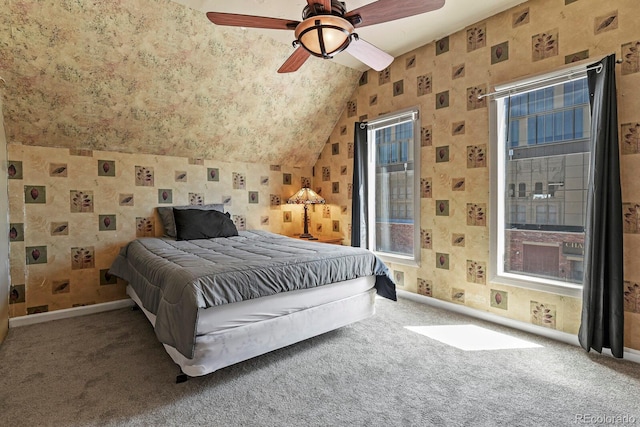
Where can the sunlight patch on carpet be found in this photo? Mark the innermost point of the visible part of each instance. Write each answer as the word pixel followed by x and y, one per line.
pixel 471 337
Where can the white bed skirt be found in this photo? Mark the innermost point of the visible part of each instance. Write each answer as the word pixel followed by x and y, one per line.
pixel 223 348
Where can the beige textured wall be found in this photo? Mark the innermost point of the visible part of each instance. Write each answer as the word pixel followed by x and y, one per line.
pixel 4 242
pixel 156 77
pixel 72 210
pixel 538 36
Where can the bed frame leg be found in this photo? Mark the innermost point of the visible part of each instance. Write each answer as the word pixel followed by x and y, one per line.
pixel 135 307
pixel 181 377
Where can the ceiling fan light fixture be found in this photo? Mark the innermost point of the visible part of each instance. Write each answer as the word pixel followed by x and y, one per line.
pixel 324 35
pixel 327 28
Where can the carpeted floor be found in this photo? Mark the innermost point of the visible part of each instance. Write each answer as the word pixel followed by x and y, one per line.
pixel 109 369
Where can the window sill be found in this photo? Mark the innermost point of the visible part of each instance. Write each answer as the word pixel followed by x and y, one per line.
pixel 568 289
pixel 395 259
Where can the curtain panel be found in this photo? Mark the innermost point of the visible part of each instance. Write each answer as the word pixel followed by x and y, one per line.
pixel 359 213
pixel 602 322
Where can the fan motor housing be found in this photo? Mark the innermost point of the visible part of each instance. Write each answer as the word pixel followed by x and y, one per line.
pixel 338 8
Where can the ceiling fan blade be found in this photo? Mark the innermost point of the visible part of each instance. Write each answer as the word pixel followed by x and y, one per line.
pixel 326 4
pixel 295 61
pixel 390 10
pixel 369 54
pixel 235 20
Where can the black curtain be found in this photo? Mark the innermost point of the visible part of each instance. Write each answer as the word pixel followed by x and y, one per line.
pixel 602 323
pixel 359 190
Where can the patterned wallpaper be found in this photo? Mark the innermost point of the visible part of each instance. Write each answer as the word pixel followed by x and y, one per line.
pixel 444 78
pixel 72 210
pixel 110 106
pixel 156 77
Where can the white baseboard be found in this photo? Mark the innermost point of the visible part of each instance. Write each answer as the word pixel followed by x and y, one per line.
pixel 31 319
pixel 629 353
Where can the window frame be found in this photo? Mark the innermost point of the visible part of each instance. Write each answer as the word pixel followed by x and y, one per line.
pixel 498 184
pixel 386 121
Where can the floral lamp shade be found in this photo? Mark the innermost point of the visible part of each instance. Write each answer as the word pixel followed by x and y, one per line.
pixel 307 196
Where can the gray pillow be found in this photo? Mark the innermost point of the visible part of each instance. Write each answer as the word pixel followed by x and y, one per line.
pixel 169 222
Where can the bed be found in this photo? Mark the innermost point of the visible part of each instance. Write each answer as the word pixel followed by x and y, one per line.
pixel 217 301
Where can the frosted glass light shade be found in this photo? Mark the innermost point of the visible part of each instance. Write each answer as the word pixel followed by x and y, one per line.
pixel 324 35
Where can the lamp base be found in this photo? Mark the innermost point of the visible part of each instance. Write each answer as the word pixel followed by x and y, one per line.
pixel 307 236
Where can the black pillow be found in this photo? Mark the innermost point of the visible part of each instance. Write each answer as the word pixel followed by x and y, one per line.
pixel 169 224
pixel 198 224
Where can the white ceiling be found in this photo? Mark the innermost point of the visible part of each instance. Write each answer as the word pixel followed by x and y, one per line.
pixel 396 37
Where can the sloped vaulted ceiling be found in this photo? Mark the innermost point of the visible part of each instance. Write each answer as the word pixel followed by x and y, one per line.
pixel 156 77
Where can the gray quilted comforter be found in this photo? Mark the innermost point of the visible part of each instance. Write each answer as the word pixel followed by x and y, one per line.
pixel 175 278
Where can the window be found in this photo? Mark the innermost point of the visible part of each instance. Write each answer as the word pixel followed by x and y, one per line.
pixel 538 189
pixel 542 143
pixel 394 186
pixel 522 190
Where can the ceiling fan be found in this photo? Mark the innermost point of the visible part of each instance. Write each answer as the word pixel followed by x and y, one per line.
pixel 327 28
